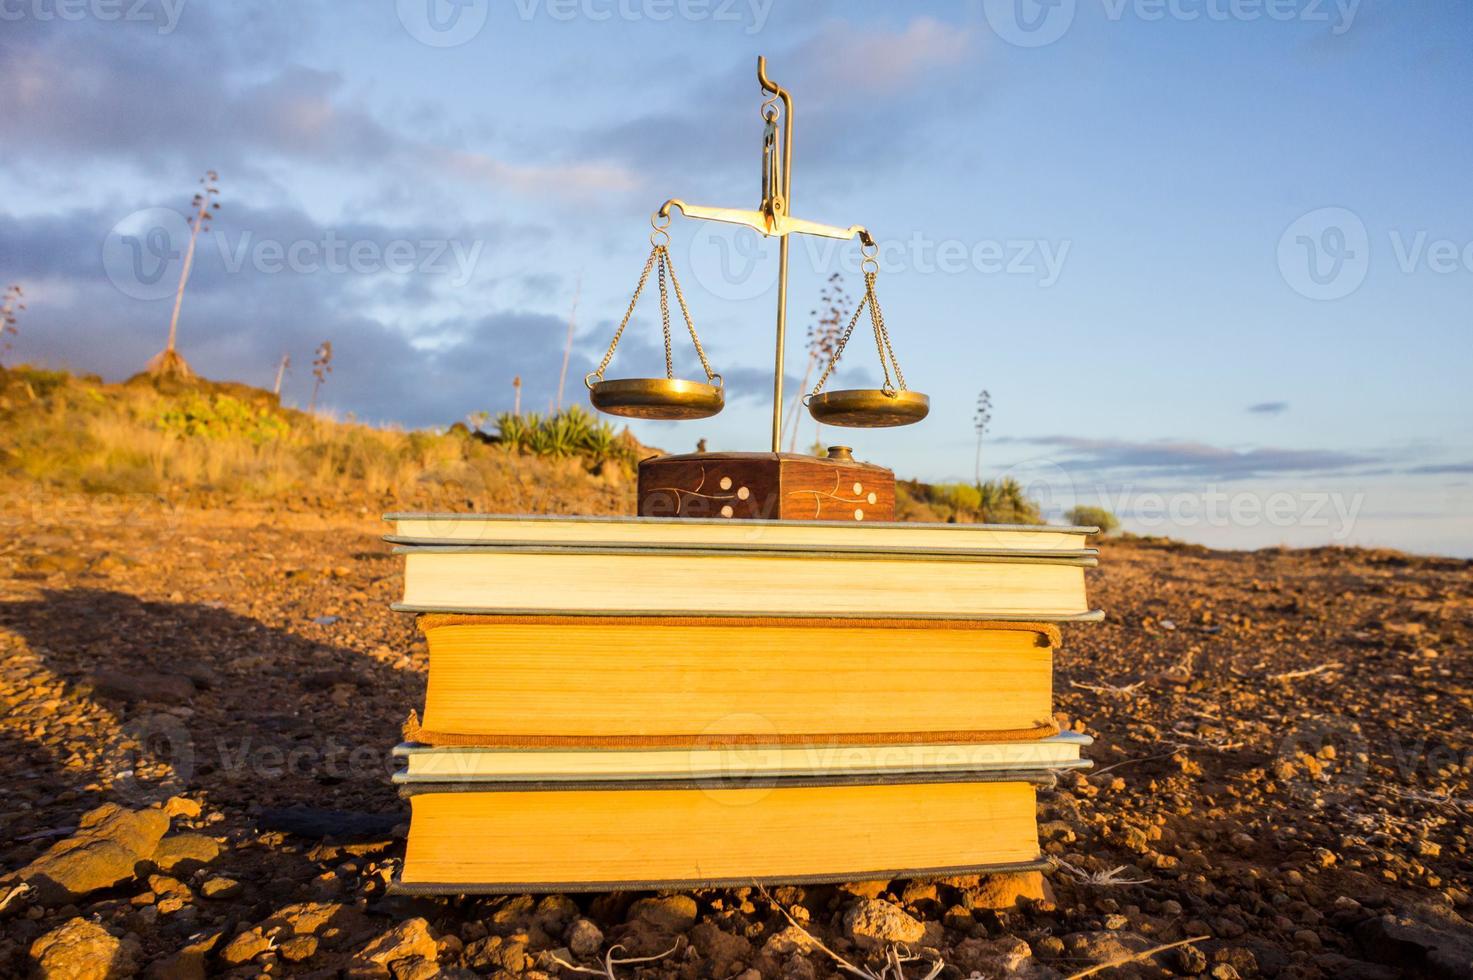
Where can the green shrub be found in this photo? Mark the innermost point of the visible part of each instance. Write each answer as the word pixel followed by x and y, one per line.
pixel 222 417
pixel 571 432
pixel 1004 502
pixel 1086 516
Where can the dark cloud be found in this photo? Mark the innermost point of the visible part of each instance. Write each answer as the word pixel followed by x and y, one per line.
pixel 1441 469
pixel 1269 408
pixel 223 91
pixel 245 307
pixel 1194 459
pixel 862 93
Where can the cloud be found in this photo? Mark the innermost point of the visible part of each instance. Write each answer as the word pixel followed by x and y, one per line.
pixel 1269 408
pixel 403 350
pixel 1441 469
pixel 1198 460
pixel 165 102
pixel 860 92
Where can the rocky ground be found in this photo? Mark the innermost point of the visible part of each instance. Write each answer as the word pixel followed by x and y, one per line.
pixel 195 701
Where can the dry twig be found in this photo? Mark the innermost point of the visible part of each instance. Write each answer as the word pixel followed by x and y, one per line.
pixel 1109 878
pixel 895 956
pixel 1309 672
pixel 1111 689
pixel 611 962
pixel 14 893
pixel 1138 957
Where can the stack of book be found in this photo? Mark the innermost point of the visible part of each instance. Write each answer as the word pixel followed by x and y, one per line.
pixel 638 702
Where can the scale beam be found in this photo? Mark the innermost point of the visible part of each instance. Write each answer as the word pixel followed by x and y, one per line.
pixel 765 224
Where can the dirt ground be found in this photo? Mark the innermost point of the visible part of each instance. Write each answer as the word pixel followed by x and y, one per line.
pixel 1282 754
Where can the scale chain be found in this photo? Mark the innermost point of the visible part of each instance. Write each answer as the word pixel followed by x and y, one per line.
pixel 665 311
pixel 643 277
pixel 689 325
pixel 882 340
pixel 659 260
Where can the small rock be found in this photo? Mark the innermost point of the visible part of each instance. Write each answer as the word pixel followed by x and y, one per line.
pixel 188 963
pixel 787 941
pixel 918 891
pixel 1240 958
pixel 83 950
pixel 1190 960
pixel 1426 940
pixel 244 948
pixel 722 951
pixel 865 889
pixel 298 948
pixel 109 843
pixel 410 938
pixel 1005 957
pixel 873 923
pixel 1004 891
pixel 182 806
pixel 584 939
pixel 672 913
pixel 186 852
pixel 135 686
pixel 220 887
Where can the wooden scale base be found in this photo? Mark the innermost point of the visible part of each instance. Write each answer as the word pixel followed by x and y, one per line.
pixel 766 486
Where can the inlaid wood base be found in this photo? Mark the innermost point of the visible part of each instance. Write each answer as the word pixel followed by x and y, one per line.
pixel 766 486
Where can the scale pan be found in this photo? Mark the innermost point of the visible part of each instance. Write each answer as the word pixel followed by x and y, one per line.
pixel 869 408
pixel 656 398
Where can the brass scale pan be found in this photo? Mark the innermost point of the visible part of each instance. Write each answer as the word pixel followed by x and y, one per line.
pixel 675 399
pixel 657 398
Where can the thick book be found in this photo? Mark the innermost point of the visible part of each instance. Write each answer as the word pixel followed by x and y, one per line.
pixel 512 837
pixel 830 536
pixel 727 764
pixel 650 682
pixel 612 580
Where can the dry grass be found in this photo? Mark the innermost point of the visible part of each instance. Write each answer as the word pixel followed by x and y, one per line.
pixel 190 438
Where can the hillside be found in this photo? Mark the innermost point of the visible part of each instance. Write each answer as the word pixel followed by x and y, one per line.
pixel 210 443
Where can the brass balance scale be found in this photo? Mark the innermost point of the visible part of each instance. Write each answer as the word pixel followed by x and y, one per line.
pixel 770 480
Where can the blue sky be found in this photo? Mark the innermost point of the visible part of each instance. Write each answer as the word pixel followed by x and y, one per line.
pixel 1213 259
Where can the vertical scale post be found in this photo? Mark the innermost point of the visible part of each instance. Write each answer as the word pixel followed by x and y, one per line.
pixel 779 203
